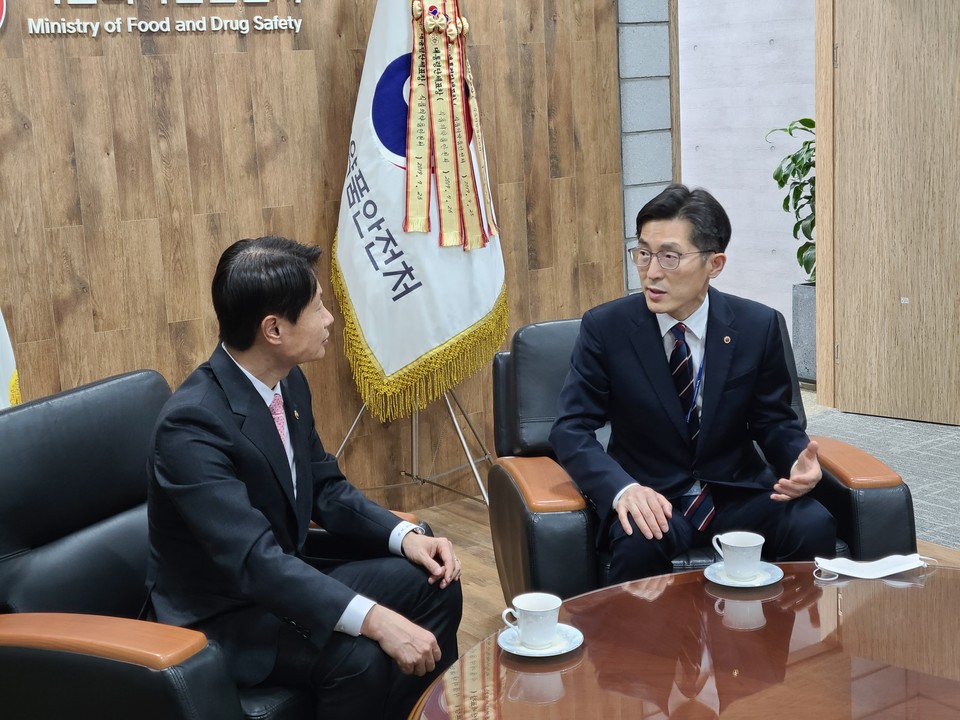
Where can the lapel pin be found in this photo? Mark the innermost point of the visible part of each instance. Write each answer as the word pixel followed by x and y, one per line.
pixel 726 339
pixel 296 414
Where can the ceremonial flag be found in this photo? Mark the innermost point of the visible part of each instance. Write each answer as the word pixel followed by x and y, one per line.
pixel 417 264
pixel 9 383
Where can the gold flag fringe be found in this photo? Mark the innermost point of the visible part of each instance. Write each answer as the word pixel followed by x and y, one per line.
pixel 428 377
pixel 15 397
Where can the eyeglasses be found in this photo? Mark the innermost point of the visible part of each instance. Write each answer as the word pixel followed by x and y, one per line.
pixel 668 259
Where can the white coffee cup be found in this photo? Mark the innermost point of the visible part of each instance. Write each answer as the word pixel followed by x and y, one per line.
pixel 740 552
pixel 741 614
pixel 536 615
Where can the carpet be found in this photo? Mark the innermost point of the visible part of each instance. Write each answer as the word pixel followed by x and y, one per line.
pixel 926 455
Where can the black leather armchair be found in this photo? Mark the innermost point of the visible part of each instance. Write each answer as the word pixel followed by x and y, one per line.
pixel 73 563
pixel 544 530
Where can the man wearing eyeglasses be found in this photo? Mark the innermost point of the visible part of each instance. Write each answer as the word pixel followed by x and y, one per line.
pixel 689 378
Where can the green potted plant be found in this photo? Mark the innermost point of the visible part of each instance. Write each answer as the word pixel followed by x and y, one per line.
pixel 797 172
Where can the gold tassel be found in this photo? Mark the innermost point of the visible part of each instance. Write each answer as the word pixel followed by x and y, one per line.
pixel 431 375
pixel 418 176
pixel 473 235
pixel 441 115
pixel 15 397
pixel 442 104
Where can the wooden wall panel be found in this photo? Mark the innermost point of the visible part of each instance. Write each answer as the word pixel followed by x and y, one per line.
pixel 894 261
pixel 826 331
pixel 99 190
pixel 605 91
pixel 505 105
pixel 129 162
pixel 25 296
pixel 73 307
pixel 127 95
pixel 536 155
pixel 45 65
pixel 558 50
pixel 171 168
pixel 204 146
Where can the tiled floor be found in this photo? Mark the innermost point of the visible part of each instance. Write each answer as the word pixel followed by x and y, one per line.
pixel 926 455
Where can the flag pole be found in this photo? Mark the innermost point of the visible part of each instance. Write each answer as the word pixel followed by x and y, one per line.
pixel 414 473
pixel 472 461
pixel 353 427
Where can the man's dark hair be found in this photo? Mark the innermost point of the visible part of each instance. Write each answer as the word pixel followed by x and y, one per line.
pixel 255 278
pixel 711 226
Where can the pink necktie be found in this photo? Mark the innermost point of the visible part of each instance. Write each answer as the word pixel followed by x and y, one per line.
pixel 276 409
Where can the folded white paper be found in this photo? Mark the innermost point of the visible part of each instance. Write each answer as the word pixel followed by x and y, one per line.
pixel 890 565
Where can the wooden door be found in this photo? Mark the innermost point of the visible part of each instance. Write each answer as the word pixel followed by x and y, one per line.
pixel 896 208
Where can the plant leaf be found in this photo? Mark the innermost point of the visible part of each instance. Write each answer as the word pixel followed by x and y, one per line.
pixel 797 172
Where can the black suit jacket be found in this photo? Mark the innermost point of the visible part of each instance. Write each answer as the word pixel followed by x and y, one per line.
pixel 619 373
pixel 225 530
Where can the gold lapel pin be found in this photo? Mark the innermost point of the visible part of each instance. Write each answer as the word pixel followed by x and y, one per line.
pixel 726 339
pixel 296 414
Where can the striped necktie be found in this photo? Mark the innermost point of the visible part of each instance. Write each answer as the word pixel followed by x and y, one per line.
pixel 681 367
pixel 700 511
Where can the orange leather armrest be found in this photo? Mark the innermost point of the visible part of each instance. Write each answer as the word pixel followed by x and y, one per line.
pixel 148 644
pixel 854 467
pixel 409 517
pixel 545 485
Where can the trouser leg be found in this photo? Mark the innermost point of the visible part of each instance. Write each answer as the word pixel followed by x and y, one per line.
pixel 634 557
pixel 352 677
pixel 800 529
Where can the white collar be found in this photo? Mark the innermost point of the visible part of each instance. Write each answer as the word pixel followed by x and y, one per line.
pixel 696 323
pixel 263 390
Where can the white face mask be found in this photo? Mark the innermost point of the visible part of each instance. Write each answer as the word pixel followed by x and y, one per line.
pixel 890 565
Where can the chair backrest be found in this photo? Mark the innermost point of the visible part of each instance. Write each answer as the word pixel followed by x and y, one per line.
pixel 526 384
pixel 73 487
pixel 796 400
pixel 528 378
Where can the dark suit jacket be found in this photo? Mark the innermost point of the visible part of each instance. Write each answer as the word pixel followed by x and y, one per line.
pixel 619 373
pixel 225 530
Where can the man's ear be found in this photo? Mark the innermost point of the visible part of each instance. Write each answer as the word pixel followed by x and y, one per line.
pixel 270 329
pixel 717 261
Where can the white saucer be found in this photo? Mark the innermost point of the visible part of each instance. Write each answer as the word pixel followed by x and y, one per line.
pixel 767 575
pixel 568 638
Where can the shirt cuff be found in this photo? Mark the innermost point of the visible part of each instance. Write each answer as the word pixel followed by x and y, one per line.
pixel 616 498
pixel 353 615
pixel 399 533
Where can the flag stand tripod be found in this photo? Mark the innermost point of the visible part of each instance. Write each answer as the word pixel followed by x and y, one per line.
pixel 414 474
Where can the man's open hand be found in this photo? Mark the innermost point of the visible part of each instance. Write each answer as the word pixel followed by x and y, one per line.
pixel 804 476
pixel 649 509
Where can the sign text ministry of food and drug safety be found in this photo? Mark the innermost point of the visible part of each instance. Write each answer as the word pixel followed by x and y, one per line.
pixel 46 26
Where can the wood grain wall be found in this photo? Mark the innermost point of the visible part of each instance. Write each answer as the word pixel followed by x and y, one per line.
pixel 887 297
pixel 129 162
